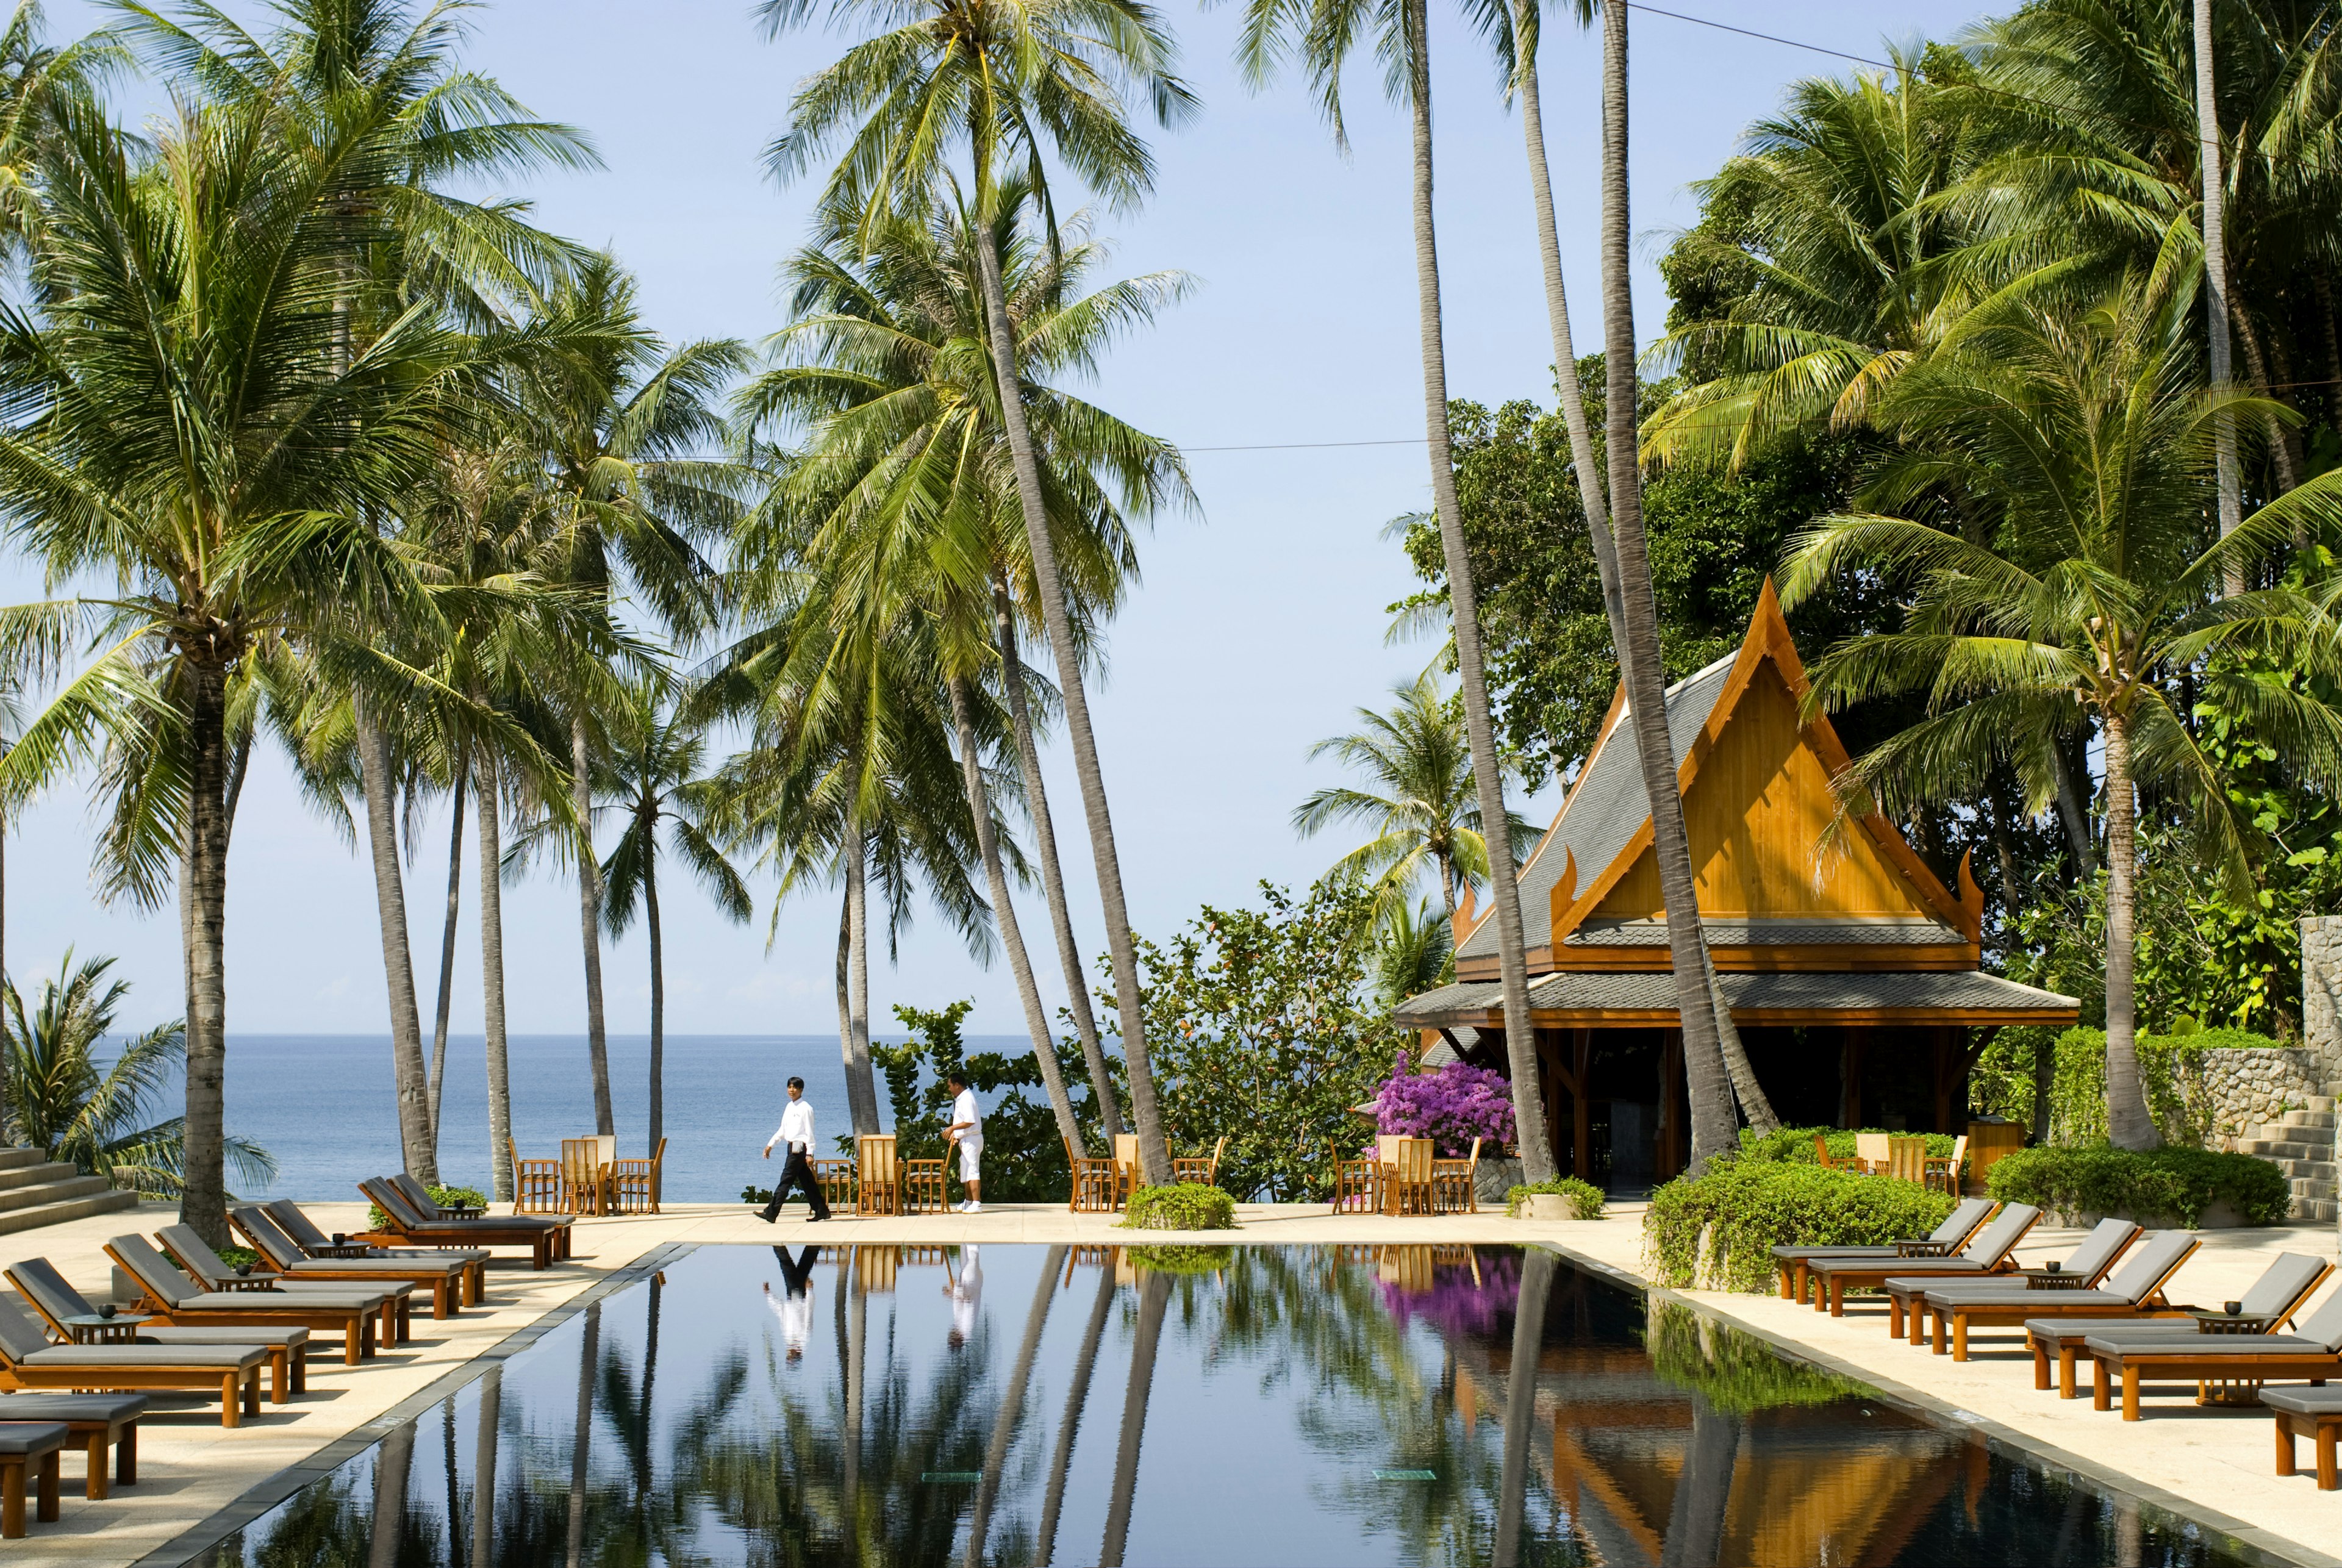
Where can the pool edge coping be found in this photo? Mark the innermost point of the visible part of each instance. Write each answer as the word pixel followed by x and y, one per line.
pixel 183 1550
pixel 2272 1549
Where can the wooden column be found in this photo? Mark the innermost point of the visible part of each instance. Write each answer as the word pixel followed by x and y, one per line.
pixel 1669 1156
pixel 1581 1109
pixel 1853 1042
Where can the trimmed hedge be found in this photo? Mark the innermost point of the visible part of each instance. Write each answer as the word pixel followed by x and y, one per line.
pixel 1180 1260
pixel 2181 1183
pixel 1746 1207
pixel 1735 1371
pixel 1584 1198
pixel 1187 1206
pixel 1795 1144
pixel 2169 1069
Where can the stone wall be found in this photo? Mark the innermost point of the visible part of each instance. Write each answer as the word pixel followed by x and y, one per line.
pixel 2230 1094
pixel 2321 1000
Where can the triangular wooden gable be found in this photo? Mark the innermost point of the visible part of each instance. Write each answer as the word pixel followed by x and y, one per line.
pixel 1759 808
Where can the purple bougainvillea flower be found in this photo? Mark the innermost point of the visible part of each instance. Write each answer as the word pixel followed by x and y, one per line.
pixel 1451 1106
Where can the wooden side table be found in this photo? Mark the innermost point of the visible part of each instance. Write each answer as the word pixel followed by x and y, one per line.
pixel 95 1328
pixel 2055 1280
pixel 2230 1391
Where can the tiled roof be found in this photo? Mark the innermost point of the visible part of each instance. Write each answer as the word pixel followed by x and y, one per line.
pixel 1770 932
pixel 1655 990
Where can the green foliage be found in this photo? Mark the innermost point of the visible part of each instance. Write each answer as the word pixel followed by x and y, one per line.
pixel 1754 1205
pixel 1584 1198
pixel 1023 1154
pixel 1183 1260
pixel 1796 1144
pixel 2006 1073
pixel 446 1197
pixel 1734 1370
pixel 1183 1206
pixel 1261 1033
pixel 2180 1182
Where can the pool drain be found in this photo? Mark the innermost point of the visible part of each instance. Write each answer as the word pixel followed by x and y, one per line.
pixel 1406 1475
pixel 951 1477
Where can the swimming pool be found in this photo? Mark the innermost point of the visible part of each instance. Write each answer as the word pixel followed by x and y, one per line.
pixel 1029 1404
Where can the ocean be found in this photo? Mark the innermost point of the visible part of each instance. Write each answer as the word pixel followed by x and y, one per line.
pixel 323 1104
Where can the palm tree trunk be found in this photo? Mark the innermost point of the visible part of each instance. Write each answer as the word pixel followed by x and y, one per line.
pixel 2215 281
pixel 861 1083
pixel 2280 439
pixel 658 1003
pixel 1053 878
pixel 846 1008
pixel 2129 1124
pixel 448 943
pixel 397 961
pixel 581 1441
pixel 1078 1395
pixel 1520 1402
pixel 1003 915
pixel 484 1468
pixel 1012 1405
pixel 1703 1072
pixel 1756 1108
pixel 589 911
pixel 2073 814
pixel 1487 771
pixel 857 1342
pixel 1704 1491
pixel 4 1101
pixel 203 1202
pixel 492 982
pixel 1154 1296
pixel 386 1531
pixel 1153 1153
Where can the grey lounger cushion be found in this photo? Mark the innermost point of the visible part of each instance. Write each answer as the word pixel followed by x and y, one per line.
pixel 114 1409
pixel 223 1356
pixel 2320 1331
pixel 2214 1344
pixel 2304 1401
pixel 2079 1328
pixel 1981 1294
pixel 32 1438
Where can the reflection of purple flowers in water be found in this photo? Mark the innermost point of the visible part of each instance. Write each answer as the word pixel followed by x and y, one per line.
pixel 1451 1106
pixel 1456 1303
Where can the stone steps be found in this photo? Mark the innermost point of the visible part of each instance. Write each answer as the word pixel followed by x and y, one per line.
pixel 36 1190
pixel 2301 1144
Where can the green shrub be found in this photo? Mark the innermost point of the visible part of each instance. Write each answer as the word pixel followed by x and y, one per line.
pixel 2182 1183
pixel 1735 1371
pixel 1795 1144
pixel 2003 1082
pixel 1749 1206
pixel 1584 1198
pixel 446 1197
pixel 1187 1206
pixel 1178 1259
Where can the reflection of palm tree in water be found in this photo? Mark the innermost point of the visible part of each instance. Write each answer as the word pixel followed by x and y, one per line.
pixel 484 1478
pixel 581 1441
pixel 1078 1395
pixel 391 1464
pixel 1520 1402
pixel 1154 1297
pixel 1012 1404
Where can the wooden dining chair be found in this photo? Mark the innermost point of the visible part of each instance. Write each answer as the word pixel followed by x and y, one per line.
pixel 1204 1171
pixel 1453 1183
pixel 1096 1181
pixel 634 1184
pixel 1409 1176
pixel 536 1183
pixel 878 1176
pixel 926 1187
pixel 1126 1155
pixel 1907 1157
pixel 581 1179
pixel 1944 1174
pixel 1357 1185
pixel 1871 1151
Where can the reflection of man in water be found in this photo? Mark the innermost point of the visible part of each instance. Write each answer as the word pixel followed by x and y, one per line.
pixel 966 1292
pixel 795 1306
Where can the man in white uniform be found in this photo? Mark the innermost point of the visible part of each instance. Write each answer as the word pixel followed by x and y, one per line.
pixel 796 1131
pixel 795 1306
pixel 966 1130
pixel 966 1294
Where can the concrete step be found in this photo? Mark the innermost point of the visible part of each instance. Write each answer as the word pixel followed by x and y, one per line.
pixel 2288 1149
pixel 105 1202
pixel 10 1157
pixel 2324 1209
pixel 2311 1118
pixel 68 1186
pixel 2325 1103
pixel 2311 1170
pixel 35 1175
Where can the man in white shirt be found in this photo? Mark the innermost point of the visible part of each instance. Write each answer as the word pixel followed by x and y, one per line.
pixel 795 1306
pixel 966 1130
pixel 797 1132
pixel 966 1294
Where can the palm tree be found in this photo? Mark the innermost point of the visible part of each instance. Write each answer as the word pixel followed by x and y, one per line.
pixel 657 754
pixel 624 422
pixel 905 487
pixel 1012 86
pixel 1322 35
pixel 1415 951
pixel 98 1117
pixel 2087 436
pixel 1706 1073
pixel 1418 799
pixel 187 428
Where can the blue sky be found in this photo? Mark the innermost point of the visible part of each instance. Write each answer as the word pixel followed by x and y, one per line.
pixel 1259 624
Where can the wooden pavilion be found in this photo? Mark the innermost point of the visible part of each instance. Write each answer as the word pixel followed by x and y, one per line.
pixel 1852 973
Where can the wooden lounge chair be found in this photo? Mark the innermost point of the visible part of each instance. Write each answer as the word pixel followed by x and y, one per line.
pixel 38 1282
pixel 2312 1355
pixel 98 1423
pixel 209 1270
pixel 1792 1263
pixel 2089 1261
pixel 34 1447
pixel 315 1242
pixel 28 1361
pixel 1204 1172
pixel 536 1183
pixel 1453 1183
pixel 178 1302
pixel 444 1278
pixel 1990 1254
pixel 633 1185
pixel 404 1224
pixel 1958 1310
pixel 1096 1181
pixel 2314 1414
pixel 2282 1290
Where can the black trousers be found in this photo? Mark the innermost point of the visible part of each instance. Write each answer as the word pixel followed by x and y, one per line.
pixel 797 1173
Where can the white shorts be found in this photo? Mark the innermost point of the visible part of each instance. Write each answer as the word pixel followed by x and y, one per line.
pixel 971 1146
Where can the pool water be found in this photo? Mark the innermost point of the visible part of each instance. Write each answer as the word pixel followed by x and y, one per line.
pixel 1028 1404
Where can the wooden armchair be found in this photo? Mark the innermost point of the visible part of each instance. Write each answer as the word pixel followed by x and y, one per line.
pixel 926 1187
pixel 1452 1184
pixel 582 1172
pixel 1944 1174
pixel 1408 1182
pixel 1096 1182
pixel 1870 1151
pixel 1357 1182
pixel 878 1187
pixel 840 1184
pixel 1204 1172
pixel 1907 1157
pixel 536 1183
pixel 633 1185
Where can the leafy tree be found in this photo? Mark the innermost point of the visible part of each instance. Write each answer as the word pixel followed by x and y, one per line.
pixel 1024 1155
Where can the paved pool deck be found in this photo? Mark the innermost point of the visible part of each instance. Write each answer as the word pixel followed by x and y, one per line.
pixel 197 1478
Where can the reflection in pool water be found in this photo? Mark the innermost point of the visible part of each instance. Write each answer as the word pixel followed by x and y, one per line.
pixel 1024 1405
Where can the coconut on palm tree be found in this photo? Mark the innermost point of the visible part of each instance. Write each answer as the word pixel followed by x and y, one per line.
pixel 2085 437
